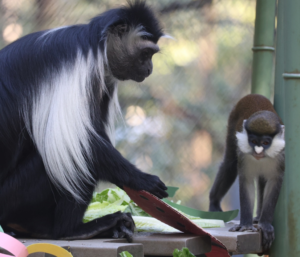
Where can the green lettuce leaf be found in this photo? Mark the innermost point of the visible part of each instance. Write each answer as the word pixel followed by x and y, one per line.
pixel 125 254
pixel 1 230
pixel 185 252
pixel 111 195
pixel 96 209
pixel 112 200
pixel 149 224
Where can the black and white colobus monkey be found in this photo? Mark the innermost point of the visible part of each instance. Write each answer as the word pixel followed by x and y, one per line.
pixel 254 151
pixel 58 96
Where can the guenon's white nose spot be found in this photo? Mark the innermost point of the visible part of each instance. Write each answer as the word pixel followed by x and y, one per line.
pixel 258 149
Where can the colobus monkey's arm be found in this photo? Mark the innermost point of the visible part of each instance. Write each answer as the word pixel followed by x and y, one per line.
pixel 111 166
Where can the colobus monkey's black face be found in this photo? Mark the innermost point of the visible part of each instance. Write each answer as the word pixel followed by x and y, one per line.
pixel 129 55
pixel 142 64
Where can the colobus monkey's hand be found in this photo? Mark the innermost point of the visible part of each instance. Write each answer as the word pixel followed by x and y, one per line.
pixel 152 184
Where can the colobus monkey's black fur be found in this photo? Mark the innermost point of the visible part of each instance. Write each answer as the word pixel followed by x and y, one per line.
pixel 58 96
pixel 254 151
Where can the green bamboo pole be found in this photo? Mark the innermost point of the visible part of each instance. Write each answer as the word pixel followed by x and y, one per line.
pixel 279 246
pixel 263 49
pixel 292 122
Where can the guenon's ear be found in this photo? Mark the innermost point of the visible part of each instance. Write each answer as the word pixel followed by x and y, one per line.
pixel 282 130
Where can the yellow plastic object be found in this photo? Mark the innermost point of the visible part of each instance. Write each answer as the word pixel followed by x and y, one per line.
pixel 48 248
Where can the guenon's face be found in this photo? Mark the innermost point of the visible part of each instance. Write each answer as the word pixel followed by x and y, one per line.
pixel 259 144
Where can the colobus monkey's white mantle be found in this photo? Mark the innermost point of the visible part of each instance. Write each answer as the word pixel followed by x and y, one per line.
pixel 255 151
pixel 58 96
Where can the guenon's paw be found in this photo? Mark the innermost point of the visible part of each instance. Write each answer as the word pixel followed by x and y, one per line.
pixel 267 234
pixel 242 228
pixel 215 207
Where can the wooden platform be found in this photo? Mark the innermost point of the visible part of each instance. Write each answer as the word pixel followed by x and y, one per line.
pixel 149 244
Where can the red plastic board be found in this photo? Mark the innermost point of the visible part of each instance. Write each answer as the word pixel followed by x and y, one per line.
pixel 163 212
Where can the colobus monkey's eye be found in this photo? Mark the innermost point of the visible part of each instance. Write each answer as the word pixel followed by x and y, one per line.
pixel 146 54
pixel 266 143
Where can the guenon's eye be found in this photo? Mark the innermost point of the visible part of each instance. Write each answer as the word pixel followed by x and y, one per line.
pixel 253 141
pixel 266 143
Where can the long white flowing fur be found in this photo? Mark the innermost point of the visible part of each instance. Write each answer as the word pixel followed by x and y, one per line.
pixel 114 110
pixel 61 122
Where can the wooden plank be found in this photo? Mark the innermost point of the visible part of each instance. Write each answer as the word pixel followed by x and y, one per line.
pixel 164 244
pixel 155 244
pixel 237 242
pixel 143 243
pixel 93 247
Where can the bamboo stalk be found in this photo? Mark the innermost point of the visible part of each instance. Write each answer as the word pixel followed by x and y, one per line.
pixel 292 122
pixel 263 49
pixel 279 247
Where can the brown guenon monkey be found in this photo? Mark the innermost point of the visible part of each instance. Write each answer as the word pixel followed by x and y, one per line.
pixel 254 151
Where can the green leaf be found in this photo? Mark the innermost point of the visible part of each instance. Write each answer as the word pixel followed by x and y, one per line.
pixel 225 216
pixel 100 197
pixel 149 224
pixel 96 210
pixel 111 195
pixel 1 230
pixel 184 252
pixel 171 191
pixel 176 253
pixel 125 254
pixel 136 210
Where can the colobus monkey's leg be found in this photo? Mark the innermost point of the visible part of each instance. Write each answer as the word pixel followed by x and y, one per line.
pixel 224 179
pixel 271 195
pixel 111 166
pixel 116 225
pixel 49 213
pixel 69 223
pixel 26 198
pixel 261 182
pixel 246 202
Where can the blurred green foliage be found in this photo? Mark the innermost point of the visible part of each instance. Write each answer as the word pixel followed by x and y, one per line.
pixel 175 121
